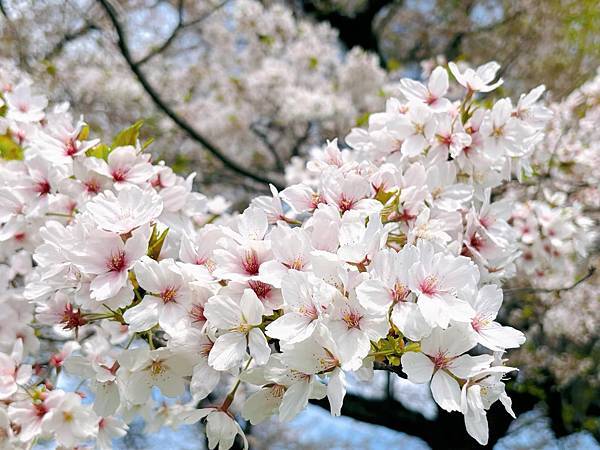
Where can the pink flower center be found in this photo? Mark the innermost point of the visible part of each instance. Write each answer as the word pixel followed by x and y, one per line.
pixel 297 264
pixel 345 204
pixel 477 242
pixel 197 314
pixel 476 323
pixel 42 187
pixel 262 290
pixel 116 263
pixel 445 139
pixel 40 409
pixel 400 292
pixel 428 285
pixel 70 148
pixel 72 319
pixel 250 263
pixel 169 294
pixel 440 361
pixel 352 319
pixel 92 186
pixel 309 311
pixel 431 99
pixel 119 174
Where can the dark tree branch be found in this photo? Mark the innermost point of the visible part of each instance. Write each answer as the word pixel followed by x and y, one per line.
pixel 280 167
pixel 532 290
pixel 301 141
pixel 181 25
pixel 165 108
pixel 169 40
pixel 70 37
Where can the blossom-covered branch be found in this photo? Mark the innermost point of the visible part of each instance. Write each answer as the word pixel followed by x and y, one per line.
pixel 389 254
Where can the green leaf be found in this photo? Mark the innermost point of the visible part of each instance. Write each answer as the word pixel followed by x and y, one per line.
pixel 4 107
pixel 363 120
pixel 99 151
pixel 128 136
pixel 266 39
pixel 84 133
pixel 313 63
pixel 393 64
pixel 9 149
pixel 156 242
pixel 393 360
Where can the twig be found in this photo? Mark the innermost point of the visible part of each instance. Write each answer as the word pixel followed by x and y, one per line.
pixel 68 38
pixel 531 290
pixel 388 368
pixel 162 105
pixel 272 149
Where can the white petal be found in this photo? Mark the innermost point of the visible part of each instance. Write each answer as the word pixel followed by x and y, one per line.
pixel 258 346
pixel 291 327
pixel 373 295
pixel 260 406
pixel 252 308
pixel 142 317
pixel 497 337
pixel 336 391
pixel 466 365
pixel 294 400
pixel 477 427
pixel 204 380
pixel 228 351
pixel 417 366
pixel 409 320
pixel 445 391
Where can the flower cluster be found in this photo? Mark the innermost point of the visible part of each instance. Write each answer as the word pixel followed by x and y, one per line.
pixel 388 256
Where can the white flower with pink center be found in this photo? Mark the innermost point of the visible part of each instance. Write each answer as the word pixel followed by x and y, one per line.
pixel 167 298
pixel 488 332
pixel 108 259
pixel 439 280
pixel 305 300
pixel 432 94
pixel 440 360
pixel 131 208
pixel 238 323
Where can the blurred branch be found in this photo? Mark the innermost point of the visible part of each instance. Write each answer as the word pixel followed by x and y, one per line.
pixel 169 40
pixel 165 108
pixel 301 140
pixel 68 38
pixel 181 25
pixel 270 146
pixel 532 290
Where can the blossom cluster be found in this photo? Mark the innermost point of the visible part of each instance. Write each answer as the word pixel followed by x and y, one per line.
pixel 389 254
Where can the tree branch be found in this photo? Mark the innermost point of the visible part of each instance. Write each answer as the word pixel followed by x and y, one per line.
pixel 68 38
pixel 151 54
pixel 532 290
pixel 165 108
pixel 272 149
pixel 181 25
